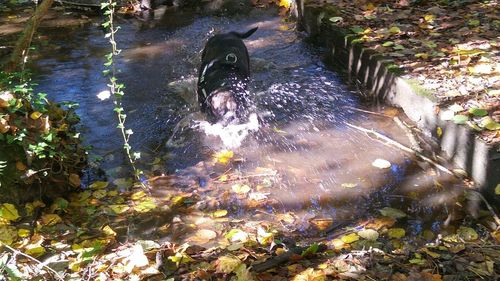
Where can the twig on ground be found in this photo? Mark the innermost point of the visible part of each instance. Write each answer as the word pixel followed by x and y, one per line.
pixel 402 147
pixel 413 140
pixel 17 252
pixel 367 111
pixel 277 260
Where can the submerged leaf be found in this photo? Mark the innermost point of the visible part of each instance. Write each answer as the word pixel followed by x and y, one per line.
pixel 396 232
pixel 467 233
pixel 368 234
pixel 392 213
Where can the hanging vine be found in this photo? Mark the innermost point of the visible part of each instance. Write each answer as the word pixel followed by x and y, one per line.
pixel 115 88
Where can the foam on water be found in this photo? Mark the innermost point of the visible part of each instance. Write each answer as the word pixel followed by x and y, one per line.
pixel 231 135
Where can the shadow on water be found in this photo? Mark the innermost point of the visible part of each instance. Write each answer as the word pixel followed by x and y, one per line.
pixel 321 168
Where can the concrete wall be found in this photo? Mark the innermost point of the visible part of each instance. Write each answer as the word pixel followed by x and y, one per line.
pixel 458 143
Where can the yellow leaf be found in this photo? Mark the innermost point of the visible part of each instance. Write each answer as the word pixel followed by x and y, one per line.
pixel 422 56
pixel 99 184
pixel 99 194
pixel 285 3
pixel 220 213
pixel 240 189
pixel 497 189
pixel 439 132
pixel 223 178
pixel 35 115
pixel 264 237
pixel 8 234
pixel 429 18
pixel 108 231
pixel 112 193
pixel 394 30
pixel 350 238
pixel 145 206
pixel 23 232
pixel 224 156
pixel 8 212
pixel 74 180
pixel 50 219
pixel 396 233
pixel 227 264
pixel 35 250
pixel 138 195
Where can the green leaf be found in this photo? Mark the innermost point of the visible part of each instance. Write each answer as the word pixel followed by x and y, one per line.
pixel 394 30
pixel 388 44
pixel 478 112
pixel 467 233
pixel 460 119
pixel 357 29
pixel 313 249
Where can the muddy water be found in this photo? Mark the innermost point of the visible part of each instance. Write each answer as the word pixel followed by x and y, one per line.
pixel 321 167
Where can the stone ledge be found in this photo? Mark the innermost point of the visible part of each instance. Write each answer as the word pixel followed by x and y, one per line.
pixel 458 143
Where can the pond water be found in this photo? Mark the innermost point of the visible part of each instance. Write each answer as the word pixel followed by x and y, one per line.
pixel 305 156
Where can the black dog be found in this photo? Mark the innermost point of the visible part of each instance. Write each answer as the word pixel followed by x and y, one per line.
pixel 223 77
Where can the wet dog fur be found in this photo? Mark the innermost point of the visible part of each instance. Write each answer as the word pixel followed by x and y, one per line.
pixel 223 77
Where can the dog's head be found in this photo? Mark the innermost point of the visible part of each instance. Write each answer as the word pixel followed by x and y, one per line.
pixel 223 106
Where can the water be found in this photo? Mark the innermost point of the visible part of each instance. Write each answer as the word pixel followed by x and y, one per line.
pixel 304 155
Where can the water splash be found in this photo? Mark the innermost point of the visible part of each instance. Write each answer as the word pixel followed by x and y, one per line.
pixel 231 135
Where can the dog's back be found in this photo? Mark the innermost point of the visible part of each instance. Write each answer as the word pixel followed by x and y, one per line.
pixel 223 74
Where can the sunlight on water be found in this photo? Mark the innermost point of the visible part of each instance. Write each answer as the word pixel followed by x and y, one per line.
pixel 231 135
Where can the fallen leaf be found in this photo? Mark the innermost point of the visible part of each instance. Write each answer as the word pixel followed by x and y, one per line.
pixel 236 235
pixel 99 185
pixel 392 213
pixel 368 234
pixel 460 119
pixel 145 206
pixel 74 180
pixel 9 212
pixel 8 234
pixel 478 112
pixel 219 213
pixel 227 264
pixel 396 233
pixel 224 156
pixel 118 209
pixel 350 238
pixel 240 189
pixel 35 115
pixel 467 233
pixel 50 219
